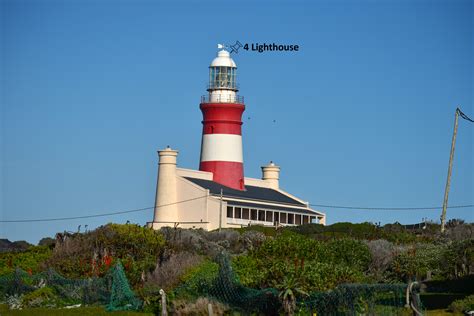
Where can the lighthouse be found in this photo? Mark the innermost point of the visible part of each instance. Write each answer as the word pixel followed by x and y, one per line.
pixel 218 195
pixel 222 108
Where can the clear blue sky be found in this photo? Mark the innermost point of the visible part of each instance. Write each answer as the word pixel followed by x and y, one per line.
pixel 364 111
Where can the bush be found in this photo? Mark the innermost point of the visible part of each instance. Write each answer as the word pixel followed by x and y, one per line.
pixel 449 261
pixel 460 232
pixel 93 253
pixel 290 246
pixel 42 297
pixel 20 245
pixel 199 307
pixel 458 259
pixel 167 273
pixel 30 260
pixel 47 241
pixel 417 262
pixel 211 243
pixel 196 279
pixel 461 285
pixel 252 240
pixel 397 234
pixel 382 253
pixel 464 305
pixel 265 230
pixel 317 265
pixel 349 252
pixel 150 294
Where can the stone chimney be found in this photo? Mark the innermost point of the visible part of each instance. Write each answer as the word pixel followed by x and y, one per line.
pixel 166 191
pixel 271 175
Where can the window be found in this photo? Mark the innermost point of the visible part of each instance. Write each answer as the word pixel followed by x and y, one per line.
pixel 283 218
pixel 291 218
pixel 230 211
pixel 245 214
pixel 276 217
pixel 222 77
pixel 313 220
pixel 238 212
pixel 298 219
pixel 269 216
pixel 261 215
pixel 253 214
pixel 305 219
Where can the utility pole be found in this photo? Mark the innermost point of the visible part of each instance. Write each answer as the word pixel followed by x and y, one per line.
pixel 220 213
pixel 450 168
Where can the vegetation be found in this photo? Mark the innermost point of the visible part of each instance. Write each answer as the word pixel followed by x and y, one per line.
pixel 316 265
pixel 93 253
pixel 81 311
pixel 31 260
pixel 464 305
pixel 294 261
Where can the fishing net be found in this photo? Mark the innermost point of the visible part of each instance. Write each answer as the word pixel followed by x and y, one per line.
pixel 121 297
pixel 358 299
pixel 345 299
pixel 227 289
pixel 112 290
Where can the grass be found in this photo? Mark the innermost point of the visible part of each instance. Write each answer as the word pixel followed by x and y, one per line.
pixel 100 311
pixel 60 312
pixel 441 312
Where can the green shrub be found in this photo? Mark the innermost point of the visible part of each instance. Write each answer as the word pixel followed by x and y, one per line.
pixel 291 246
pixel 443 261
pixel 197 279
pixel 42 297
pixel 364 231
pixel 47 241
pixel 30 260
pixel 397 234
pixel 349 252
pixel 458 259
pixel 249 270
pixel 267 231
pixel 317 265
pixel 151 298
pixel 416 261
pixel 464 305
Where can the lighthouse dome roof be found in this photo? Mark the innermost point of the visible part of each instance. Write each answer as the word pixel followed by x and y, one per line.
pixel 223 59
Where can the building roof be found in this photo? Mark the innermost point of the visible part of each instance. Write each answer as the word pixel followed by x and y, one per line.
pixel 251 193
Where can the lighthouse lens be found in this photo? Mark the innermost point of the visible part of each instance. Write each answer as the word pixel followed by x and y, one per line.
pixel 222 77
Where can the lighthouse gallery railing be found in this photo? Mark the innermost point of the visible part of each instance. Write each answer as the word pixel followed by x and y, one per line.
pixel 222 99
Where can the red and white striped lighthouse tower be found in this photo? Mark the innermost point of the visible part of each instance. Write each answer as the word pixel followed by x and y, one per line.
pixel 222 108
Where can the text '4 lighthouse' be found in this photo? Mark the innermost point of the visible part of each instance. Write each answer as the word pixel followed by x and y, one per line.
pixel 222 108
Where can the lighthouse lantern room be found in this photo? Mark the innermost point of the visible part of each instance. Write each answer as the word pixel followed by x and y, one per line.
pixel 222 84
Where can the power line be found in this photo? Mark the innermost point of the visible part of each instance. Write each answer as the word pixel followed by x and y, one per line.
pixel 188 200
pixel 391 208
pixel 96 215
pixel 464 116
